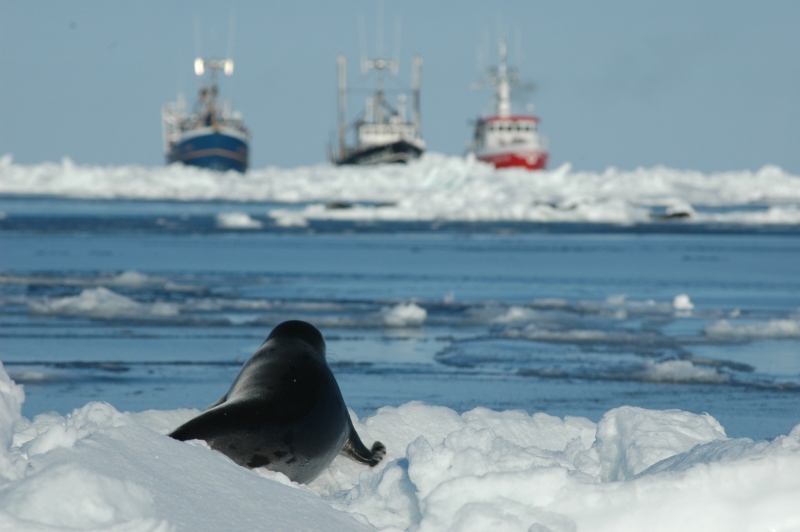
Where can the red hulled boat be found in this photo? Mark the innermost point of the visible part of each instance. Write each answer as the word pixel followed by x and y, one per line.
pixel 507 140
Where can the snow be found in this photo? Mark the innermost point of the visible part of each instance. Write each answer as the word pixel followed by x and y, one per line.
pixel 636 469
pixel 11 399
pixel 437 187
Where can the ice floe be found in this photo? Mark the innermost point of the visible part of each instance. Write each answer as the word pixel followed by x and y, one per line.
pixel 237 220
pixel 101 303
pixel 404 315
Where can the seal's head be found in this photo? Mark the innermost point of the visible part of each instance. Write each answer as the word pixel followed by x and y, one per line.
pixel 296 329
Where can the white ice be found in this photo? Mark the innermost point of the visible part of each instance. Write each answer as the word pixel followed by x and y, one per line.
pixel 439 187
pixel 776 328
pixel 680 371
pixel 237 220
pixel 101 303
pixel 635 469
pixel 404 315
pixel 682 302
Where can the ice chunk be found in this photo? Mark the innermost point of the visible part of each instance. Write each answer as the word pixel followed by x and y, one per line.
pixel 11 399
pixel 237 220
pixel 404 315
pixel 631 439
pixel 101 303
pixel 682 302
pixel 778 328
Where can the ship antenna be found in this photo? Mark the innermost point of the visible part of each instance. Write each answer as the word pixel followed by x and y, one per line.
pixel 415 89
pixel 379 29
pixel 503 89
pixel 398 28
pixel 342 67
pixel 198 41
pixel 362 42
pixel 379 65
pixel 231 34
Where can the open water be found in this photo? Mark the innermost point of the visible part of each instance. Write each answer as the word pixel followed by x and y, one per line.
pixel 155 305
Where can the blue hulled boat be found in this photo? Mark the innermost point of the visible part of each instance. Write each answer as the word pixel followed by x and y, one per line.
pixel 209 136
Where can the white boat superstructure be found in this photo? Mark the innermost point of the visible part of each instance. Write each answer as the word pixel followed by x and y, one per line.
pixel 383 133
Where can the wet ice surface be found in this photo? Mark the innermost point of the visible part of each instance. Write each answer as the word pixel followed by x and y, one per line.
pixel 156 305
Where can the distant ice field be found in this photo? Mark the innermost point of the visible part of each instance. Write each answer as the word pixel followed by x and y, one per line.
pixel 156 304
pixel 436 188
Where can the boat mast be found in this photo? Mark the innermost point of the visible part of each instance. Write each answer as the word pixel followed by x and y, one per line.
pixel 415 94
pixel 503 84
pixel 342 64
pixel 378 65
pixel 212 65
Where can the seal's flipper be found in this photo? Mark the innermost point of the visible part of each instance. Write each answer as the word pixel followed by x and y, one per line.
pixel 220 421
pixel 354 449
pixel 206 426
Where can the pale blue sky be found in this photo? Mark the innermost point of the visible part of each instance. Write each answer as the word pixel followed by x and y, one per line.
pixel 710 85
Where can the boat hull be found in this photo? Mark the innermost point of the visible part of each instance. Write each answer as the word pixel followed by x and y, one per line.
pixel 214 150
pixel 400 151
pixel 532 160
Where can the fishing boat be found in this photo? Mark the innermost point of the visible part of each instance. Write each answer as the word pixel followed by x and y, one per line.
pixel 211 136
pixel 382 132
pixel 504 139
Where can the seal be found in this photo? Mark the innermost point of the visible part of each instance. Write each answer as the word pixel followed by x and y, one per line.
pixel 284 411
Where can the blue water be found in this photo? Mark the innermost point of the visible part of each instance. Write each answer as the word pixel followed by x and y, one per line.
pixel 564 319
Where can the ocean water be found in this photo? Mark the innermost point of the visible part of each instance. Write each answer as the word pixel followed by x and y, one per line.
pixel 156 304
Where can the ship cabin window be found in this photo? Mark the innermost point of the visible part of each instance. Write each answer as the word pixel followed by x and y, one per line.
pixel 512 127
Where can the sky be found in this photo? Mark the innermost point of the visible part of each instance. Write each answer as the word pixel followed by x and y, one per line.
pixel 708 85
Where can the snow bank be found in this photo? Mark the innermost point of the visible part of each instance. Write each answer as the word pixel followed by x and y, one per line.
pixel 11 399
pixel 636 469
pixel 98 469
pixel 438 187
